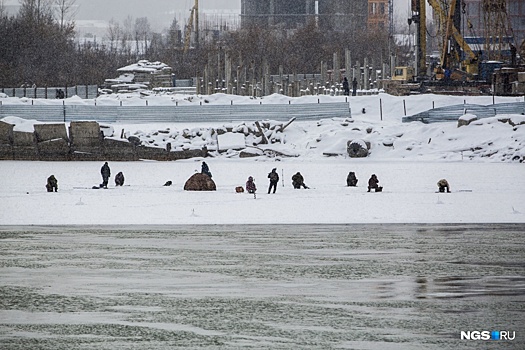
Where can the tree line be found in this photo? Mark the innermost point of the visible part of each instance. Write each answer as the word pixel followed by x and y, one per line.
pixel 39 47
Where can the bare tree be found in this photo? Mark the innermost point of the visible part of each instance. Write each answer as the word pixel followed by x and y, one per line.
pixel 142 34
pixel 66 11
pixel 3 11
pixel 114 33
pixel 35 10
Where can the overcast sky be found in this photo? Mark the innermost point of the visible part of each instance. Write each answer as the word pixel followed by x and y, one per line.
pixel 105 9
pixel 161 12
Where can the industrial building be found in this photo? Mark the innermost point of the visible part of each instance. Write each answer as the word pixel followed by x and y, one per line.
pixel 336 15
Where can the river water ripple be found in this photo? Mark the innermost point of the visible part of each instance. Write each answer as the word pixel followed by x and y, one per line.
pixel 366 287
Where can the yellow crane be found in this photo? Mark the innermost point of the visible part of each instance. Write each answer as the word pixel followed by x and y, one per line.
pixel 451 38
pixel 193 20
pixel 449 59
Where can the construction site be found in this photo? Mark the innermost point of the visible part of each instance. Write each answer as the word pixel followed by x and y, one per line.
pixel 457 46
pixel 479 48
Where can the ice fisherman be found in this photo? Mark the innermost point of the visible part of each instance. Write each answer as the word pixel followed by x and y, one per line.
pixel 373 183
pixel 443 186
pixel 119 179
pixel 205 169
pixel 351 179
pixel 298 181
pixel 250 185
pixel 274 179
pixel 52 184
pixel 106 173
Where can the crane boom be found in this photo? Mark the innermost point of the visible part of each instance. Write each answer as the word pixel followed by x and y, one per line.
pixel 194 17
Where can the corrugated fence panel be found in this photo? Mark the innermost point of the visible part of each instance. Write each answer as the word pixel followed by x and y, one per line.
pixel 97 113
pixel 37 112
pixel 452 113
pixel 204 113
pixel 83 91
pixel 510 108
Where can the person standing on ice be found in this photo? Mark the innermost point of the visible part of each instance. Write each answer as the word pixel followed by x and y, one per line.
pixel 346 86
pixel 354 87
pixel 443 185
pixel 274 179
pixel 106 173
pixel 205 169
pixel 250 185
pixel 298 181
pixel 373 183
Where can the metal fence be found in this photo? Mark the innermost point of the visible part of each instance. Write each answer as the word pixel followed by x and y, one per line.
pixel 452 113
pixel 83 91
pixel 196 113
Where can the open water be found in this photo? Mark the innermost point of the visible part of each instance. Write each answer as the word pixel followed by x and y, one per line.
pixel 364 287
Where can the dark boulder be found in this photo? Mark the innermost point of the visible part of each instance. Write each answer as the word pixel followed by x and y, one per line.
pixel 200 182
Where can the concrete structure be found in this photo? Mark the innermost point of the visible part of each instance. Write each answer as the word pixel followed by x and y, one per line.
pixel 141 75
pixel 336 15
pixel 49 142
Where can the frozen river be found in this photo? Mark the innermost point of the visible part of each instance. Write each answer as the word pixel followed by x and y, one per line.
pixel 366 287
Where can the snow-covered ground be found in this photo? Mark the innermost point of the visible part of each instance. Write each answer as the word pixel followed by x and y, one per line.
pixel 481 161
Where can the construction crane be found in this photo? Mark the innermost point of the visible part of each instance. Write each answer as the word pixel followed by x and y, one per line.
pixel 192 21
pixel 452 43
pixel 498 32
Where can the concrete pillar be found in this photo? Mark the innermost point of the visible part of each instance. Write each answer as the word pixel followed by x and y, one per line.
pixel 282 88
pixel 366 75
pixel 337 69
pixel 358 76
pixel 324 77
pixel 348 65
pixel 392 65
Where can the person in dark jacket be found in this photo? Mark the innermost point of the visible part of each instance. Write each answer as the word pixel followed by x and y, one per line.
pixel 119 179
pixel 373 183
pixel 443 186
pixel 205 169
pixel 298 181
pixel 346 87
pixel 52 184
pixel 354 87
pixel 250 185
pixel 106 173
pixel 351 179
pixel 274 179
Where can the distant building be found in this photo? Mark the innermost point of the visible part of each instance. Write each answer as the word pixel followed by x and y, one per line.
pixel 141 75
pixel 335 15
pixel 378 14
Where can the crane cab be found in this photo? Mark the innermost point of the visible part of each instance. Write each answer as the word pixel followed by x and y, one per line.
pixel 403 74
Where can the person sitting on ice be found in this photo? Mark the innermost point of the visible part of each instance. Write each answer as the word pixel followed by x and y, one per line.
pixel 250 185
pixel 298 181
pixel 52 184
pixel 373 183
pixel 119 179
pixel 443 185
pixel 351 179
pixel 205 169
